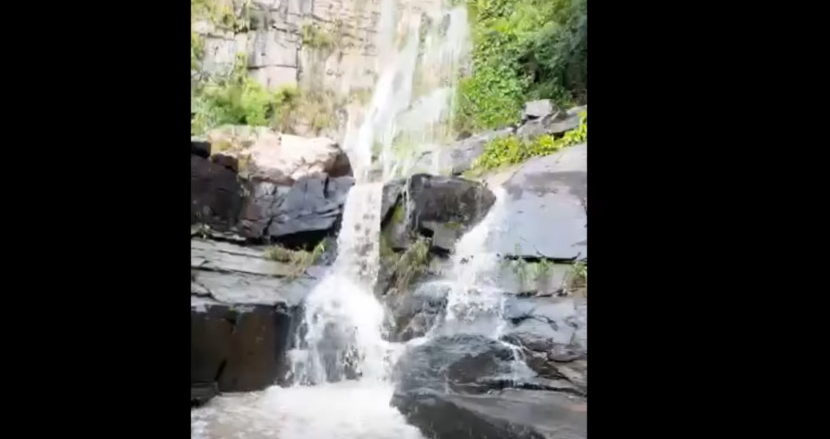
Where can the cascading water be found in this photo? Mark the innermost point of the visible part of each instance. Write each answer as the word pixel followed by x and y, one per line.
pixel 475 304
pixel 341 362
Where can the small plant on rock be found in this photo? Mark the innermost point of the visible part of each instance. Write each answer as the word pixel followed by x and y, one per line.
pixel 413 263
pixel 298 260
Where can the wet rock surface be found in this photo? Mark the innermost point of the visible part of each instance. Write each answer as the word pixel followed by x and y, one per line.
pixel 243 310
pixel 448 206
pixel 311 205
pixel 553 334
pixel 414 313
pixel 470 387
pixel 547 202
pixel 238 347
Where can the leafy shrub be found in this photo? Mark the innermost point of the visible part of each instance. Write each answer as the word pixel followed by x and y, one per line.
pixel 510 150
pixel 523 50
pixel 315 37
pixel 298 260
pixel 238 99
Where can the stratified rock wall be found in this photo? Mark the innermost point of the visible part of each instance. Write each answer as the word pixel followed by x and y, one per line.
pixel 331 49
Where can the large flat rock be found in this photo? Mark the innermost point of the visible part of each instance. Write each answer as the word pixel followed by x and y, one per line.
pixel 546 210
pixel 234 274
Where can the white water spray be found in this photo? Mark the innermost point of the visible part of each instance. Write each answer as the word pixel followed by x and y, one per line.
pixel 475 304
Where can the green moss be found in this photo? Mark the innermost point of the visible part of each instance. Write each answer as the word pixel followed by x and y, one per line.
pixel 386 250
pixel 413 263
pixel 398 213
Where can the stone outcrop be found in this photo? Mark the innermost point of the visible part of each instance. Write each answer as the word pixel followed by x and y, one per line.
pixel 243 310
pixel 281 158
pixel 422 217
pixel 553 334
pixel 538 118
pixel 311 205
pixel 292 190
pixel 469 386
pixel 441 208
pixel 547 207
pixel 325 48
pixel 418 310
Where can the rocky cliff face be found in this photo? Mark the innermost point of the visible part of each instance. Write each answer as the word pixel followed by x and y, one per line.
pixel 327 48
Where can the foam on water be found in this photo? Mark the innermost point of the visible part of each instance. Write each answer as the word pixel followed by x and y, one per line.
pixel 344 410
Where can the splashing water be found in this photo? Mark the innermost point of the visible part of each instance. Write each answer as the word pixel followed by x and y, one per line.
pixel 341 362
pixel 475 304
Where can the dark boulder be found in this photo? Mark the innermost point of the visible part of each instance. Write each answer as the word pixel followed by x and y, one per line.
pixel 227 161
pixel 216 195
pixel 459 388
pixel 240 348
pixel 199 147
pixel 311 205
pixel 430 205
pixel 545 209
pixel 456 362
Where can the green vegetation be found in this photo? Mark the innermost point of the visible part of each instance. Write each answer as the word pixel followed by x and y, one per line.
pixel 238 99
pixel 511 149
pixel 579 273
pixel 530 274
pixel 523 50
pixel 299 260
pixel 316 108
pixel 413 263
pixel 317 38
pixel 227 99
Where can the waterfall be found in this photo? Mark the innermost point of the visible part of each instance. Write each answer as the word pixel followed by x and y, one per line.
pixel 340 366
